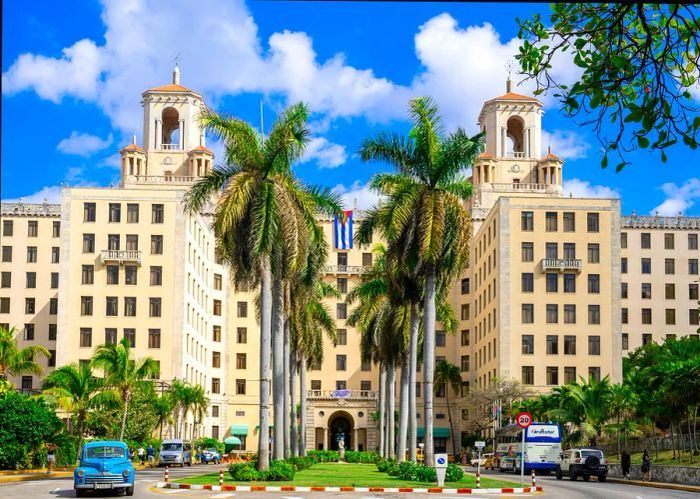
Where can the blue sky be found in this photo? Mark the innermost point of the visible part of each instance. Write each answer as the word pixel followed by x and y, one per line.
pixel 72 81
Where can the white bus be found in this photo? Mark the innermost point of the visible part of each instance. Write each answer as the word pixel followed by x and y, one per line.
pixel 542 447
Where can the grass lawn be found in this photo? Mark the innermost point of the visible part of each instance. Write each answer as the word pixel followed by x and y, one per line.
pixel 665 457
pixel 347 475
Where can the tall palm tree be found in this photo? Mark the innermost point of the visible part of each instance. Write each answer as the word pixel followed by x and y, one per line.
pixel 199 407
pixel 123 373
pixel 77 391
pixel 163 407
pixel 449 376
pixel 424 205
pixel 13 361
pixel 262 217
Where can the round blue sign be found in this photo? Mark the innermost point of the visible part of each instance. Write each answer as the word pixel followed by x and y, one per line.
pixel 441 460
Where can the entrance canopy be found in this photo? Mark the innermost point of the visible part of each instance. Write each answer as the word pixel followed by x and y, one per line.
pixel 239 429
pixel 233 441
pixel 437 432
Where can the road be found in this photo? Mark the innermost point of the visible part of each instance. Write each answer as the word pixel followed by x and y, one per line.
pixel 147 479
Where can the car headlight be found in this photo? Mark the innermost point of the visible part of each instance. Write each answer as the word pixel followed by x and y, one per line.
pixel 126 473
pixel 81 473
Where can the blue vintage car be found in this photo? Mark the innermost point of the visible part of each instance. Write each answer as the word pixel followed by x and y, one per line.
pixel 104 465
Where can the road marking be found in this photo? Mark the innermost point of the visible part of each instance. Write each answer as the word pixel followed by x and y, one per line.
pixel 173 491
pixel 56 489
pixel 291 497
pixel 221 496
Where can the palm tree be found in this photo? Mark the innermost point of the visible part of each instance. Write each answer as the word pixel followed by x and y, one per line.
pixel 124 374
pixel 199 406
pixel 77 392
pixel 424 206
pixel 262 218
pixel 163 406
pixel 449 376
pixel 13 361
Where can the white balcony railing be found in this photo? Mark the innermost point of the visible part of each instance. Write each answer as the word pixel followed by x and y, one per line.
pixel 159 179
pixel 347 269
pixel 562 264
pixel 515 154
pixel 120 256
pixel 170 147
pixel 342 394
pixel 517 187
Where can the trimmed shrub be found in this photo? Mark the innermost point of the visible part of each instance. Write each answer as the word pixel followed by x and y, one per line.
pixel 324 456
pixel 454 473
pixel 352 456
pixel 301 463
pixel 279 471
pixel 243 472
pixel 407 470
pixel 383 465
pixel 425 474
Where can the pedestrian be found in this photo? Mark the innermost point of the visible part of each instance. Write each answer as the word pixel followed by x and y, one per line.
pixel 50 457
pixel 151 452
pixel 626 462
pixel 131 454
pixel 646 467
pixel 142 454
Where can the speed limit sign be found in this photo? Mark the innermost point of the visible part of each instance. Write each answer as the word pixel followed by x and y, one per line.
pixel 524 419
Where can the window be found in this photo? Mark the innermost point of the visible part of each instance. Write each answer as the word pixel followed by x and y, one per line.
pixel 341 385
pixel 550 250
pixel 216 360
pixel 89 210
pixel 132 242
pixel 693 317
pixel 215 385
pixel 594 373
pixel 692 241
pixel 241 334
pixel 342 336
pixel 113 242
pixel 552 375
pixel 465 286
pixel 6 279
pixel 464 311
pixel 129 306
pixel 528 376
pixel 242 309
pixel 53 306
pixel 569 221
pixel 342 259
pixel 215 408
pixel 154 307
pixel 55 254
pixel 7 228
pixel 130 335
pixel 693 266
pixel 217 307
pixel 27 382
pixel 157 214
pixel 550 219
pixel 569 251
pixel 646 290
pixel 29 332
pixel 340 362
pixel 56 229
pixel 646 265
pixel 570 314
pixel 625 316
pixel 130 275
pixel 569 345
pixel 315 384
pixel 646 240
pixel 241 361
pixel 32 228
pixel 526 221
pixel 7 253
pixel 156 245
pixel 54 280
pixel 623 265
pixel 623 240
pixel 669 266
pixel 115 212
pixel 594 345
pixel 32 254
pixel 4 305
pixel 29 305
pixel 594 253
pixel 342 284
pixel 552 280
pixel 217 282
pixel 86 305
pixel 594 314
pixel 365 385
pixel 366 365
pixel 593 222
pixel 528 313
pixel 240 387
pixel 646 316
pixel 692 291
pixel 156 276
pixel 154 339
pixel 569 283
pixel 527 251
pixel 670 316
pixel 552 344
pixel 552 313
pixel 625 341
pixel 464 337
pixel 132 213
pixel 366 259
pixel 669 242
pixel 111 336
pixel 464 363
pixel 52 358
pixel 528 344
pixel 440 390
pixel 670 291
pixel 569 375
pixel 85 337
pixel 439 338
pixel 341 310
pixel 528 282
pixel 623 290
pixel 111 306
pixel 31 280
pixel 88 243
pixel 112 274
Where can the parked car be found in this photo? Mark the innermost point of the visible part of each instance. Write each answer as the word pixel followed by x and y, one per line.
pixel 211 456
pixel 485 457
pixel 583 462
pixel 175 451
pixel 104 465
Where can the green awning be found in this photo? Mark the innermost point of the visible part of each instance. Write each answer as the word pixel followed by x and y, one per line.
pixel 233 441
pixel 239 429
pixel 437 432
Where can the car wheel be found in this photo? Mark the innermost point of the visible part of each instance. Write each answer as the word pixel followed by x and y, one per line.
pixel 586 478
pixel 130 491
pixel 602 478
pixel 572 474
pixel 559 474
pixel 79 493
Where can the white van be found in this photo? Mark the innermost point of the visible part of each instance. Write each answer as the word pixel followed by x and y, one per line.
pixel 175 451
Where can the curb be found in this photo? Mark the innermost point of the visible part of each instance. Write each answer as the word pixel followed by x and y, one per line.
pixel 35 476
pixel 294 488
pixel 657 485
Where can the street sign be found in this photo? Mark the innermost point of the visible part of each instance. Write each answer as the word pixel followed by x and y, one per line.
pixel 441 468
pixel 441 460
pixel 524 419
pixel 480 444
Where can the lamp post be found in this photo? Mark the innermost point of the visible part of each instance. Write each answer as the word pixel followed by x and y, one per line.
pixel 422 456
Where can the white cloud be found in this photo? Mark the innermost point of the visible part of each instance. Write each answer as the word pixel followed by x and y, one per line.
pixel 566 144
pixel 52 194
pixel 83 144
pixel 583 189
pixel 111 161
pixel 327 154
pixel 679 199
pixel 358 193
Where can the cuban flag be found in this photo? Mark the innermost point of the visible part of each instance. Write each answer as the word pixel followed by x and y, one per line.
pixel 343 230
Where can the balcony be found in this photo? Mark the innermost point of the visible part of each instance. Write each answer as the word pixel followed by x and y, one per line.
pixel 341 394
pixel 120 256
pixel 347 269
pixel 562 264
pixel 518 187
pixel 170 147
pixel 160 179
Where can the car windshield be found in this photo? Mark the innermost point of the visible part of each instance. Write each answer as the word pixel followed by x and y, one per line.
pixel 210 450
pixel 596 453
pixel 171 446
pixel 104 451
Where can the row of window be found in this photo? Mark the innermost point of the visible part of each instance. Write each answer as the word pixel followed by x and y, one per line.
pixel 552 313
pixel 114 243
pixel 110 337
pixel 669 291
pixel 155 306
pixel 30 306
pixel 669 240
pixel 552 282
pixel 115 213
pixel 32 228
pixel 527 221
pixel 342 259
pixel 551 251
pixel 552 344
pixel 669 266
pixel 670 316
pixel 552 375
pixel 30 280
pixel 648 338
pixel 30 329
pixel 32 254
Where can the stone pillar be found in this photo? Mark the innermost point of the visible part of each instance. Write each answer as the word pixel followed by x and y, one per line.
pixel 181 145
pixel 159 133
pixel 326 440
pixel 504 142
pixel 527 143
pixel 355 437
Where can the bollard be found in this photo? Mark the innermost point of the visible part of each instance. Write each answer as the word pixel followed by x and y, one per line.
pixel 166 473
pixel 221 477
pixel 534 480
pixel 478 478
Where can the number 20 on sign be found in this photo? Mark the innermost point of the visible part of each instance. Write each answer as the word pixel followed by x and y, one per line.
pixel 524 419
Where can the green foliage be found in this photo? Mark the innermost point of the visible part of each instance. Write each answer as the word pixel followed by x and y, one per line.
pixel 279 471
pixel 639 64
pixel 301 463
pixel 454 473
pixel 383 464
pixel 408 470
pixel 141 418
pixel 209 443
pixel 352 456
pixel 324 456
pixel 27 425
pixel 243 472
pixel 14 361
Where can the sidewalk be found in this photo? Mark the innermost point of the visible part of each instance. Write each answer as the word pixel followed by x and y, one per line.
pixel 26 475
pixel 658 485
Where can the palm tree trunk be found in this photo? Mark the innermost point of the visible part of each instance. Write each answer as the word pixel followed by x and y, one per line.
pixel 455 450
pixel 429 363
pixel 293 405
pixel 412 366
pixel 81 429
pixel 278 380
pixel 285 357
pixel 126 409
pixel 265 344
pixel 382 403
pixel 302 405
pixel 403 407
pixel 391 401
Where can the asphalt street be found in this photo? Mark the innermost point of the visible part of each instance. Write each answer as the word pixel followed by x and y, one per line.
pixel 147 479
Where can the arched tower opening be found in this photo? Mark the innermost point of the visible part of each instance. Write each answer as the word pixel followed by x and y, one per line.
pixel 171 128
pixel 515 137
